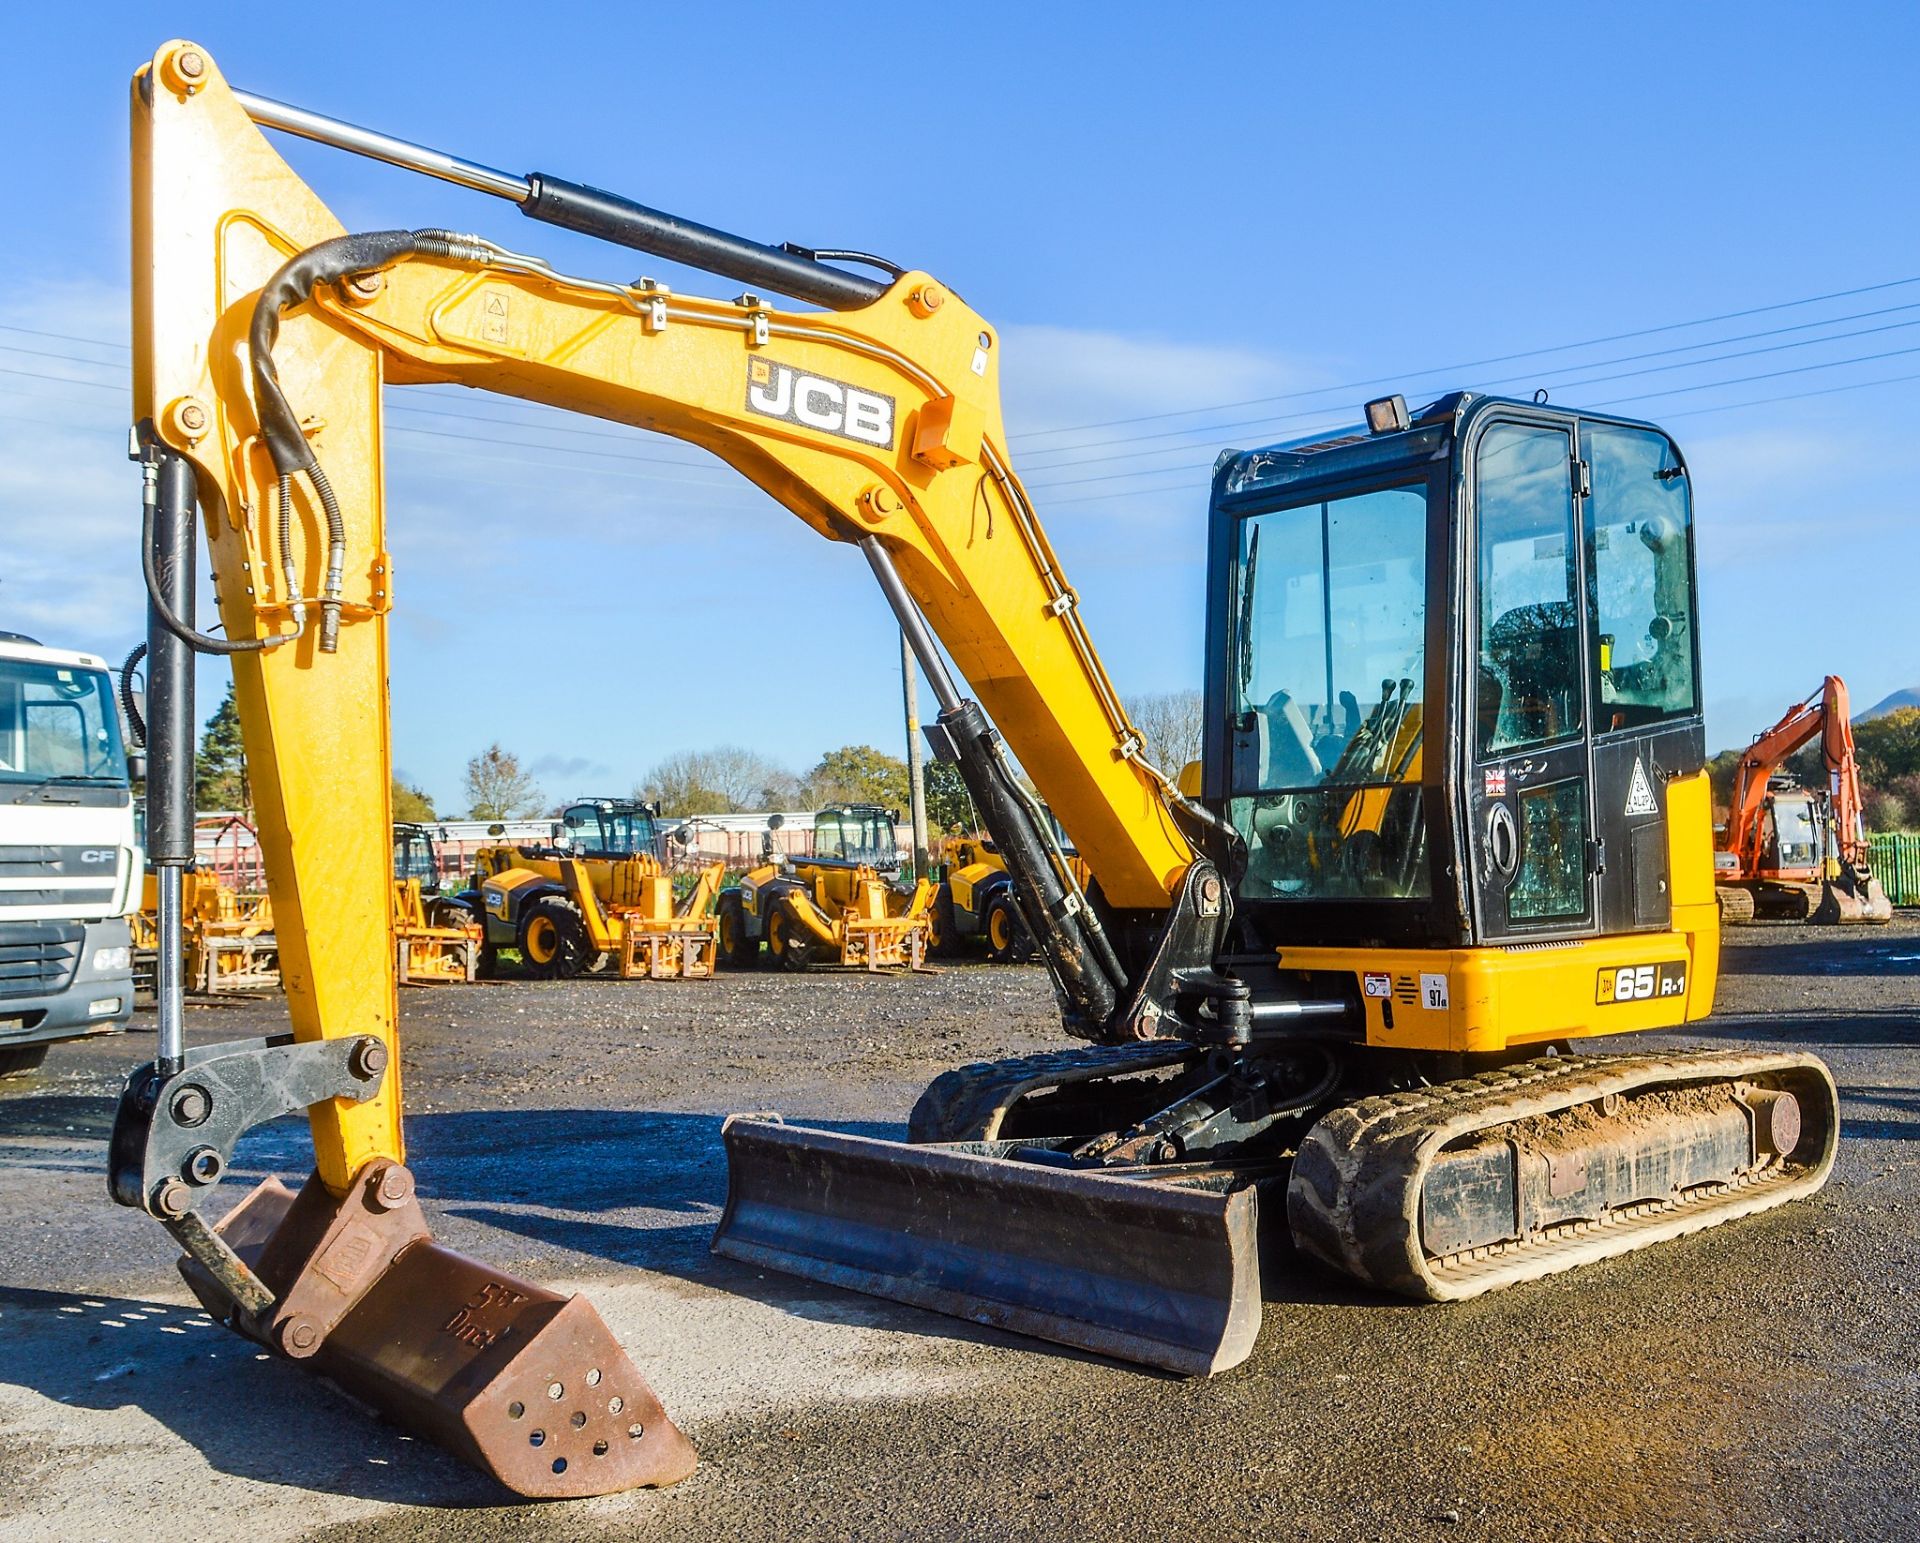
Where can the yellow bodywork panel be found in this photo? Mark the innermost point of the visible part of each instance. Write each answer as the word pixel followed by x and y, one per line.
pixel 1494 997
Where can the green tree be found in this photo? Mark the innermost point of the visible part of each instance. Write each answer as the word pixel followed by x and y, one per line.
pixel 1889 746
pixel 411 804
pixel 497 788
pixel 220 765
pixel 858 774
pixel 949 806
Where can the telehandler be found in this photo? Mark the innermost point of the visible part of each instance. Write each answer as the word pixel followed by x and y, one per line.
pixel 840 901
pixel 598 897
pixel 435 939
pixel 974 900
pixel 1335 988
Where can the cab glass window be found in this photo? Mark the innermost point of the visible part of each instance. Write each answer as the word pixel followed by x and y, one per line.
pixel 1529 687
pixel 1640 564
pixel 1329 671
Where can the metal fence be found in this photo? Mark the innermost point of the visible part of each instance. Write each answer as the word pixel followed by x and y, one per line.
pixel 1896 864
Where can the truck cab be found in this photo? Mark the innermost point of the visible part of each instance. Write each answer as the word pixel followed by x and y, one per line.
pixel 70 868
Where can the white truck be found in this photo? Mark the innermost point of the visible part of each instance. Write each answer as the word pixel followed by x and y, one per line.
pixel 70 868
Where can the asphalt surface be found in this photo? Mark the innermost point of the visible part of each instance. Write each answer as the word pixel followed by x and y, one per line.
pixel 1759 1380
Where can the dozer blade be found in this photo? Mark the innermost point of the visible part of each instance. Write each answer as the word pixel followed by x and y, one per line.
pixel 527 1385
pixel 1148 1270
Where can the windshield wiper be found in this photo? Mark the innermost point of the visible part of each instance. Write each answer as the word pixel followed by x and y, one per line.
pixel 66 780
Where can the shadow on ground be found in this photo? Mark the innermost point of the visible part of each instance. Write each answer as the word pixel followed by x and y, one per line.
pixel 250 1414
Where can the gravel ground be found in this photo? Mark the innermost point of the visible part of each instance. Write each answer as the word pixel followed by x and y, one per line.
pixel 1758 1380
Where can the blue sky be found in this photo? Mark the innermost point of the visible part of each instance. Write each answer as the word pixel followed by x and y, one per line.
pixel 1166 209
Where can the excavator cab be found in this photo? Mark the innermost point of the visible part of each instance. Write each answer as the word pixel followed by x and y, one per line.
pixel 1397 776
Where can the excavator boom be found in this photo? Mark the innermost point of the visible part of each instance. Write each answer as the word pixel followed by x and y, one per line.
pixel 264 335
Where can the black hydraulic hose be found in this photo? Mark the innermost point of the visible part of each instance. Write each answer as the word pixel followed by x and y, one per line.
pixel 200 642
pixel 293 284
pixel 127 703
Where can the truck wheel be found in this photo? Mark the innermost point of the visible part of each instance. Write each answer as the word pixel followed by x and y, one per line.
pixel 1002 928
pixel 22 1059
pixel 553 940
pixel 790 951
pixel 943 936
pixel 737 950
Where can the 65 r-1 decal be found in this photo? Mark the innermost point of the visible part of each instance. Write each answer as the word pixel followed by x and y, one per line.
pixel 1640 982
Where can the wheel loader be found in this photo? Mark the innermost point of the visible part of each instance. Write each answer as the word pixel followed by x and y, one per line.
pixel 597 899
pixel 1332 998
pixel 436 939
pixel 838 905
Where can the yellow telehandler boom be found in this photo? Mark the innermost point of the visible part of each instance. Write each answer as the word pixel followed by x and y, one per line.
pixel 1320 980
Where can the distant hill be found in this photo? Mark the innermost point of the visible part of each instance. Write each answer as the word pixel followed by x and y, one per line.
pixel 1910 697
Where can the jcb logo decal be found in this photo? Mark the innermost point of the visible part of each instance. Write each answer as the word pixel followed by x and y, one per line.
pixel 832 406
pixel 1640 982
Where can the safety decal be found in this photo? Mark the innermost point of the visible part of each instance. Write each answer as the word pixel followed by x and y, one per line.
pixel 776 390
pixel 1377 985
pixel 1433 993
pixel 1496 782
pixel 1640 792
pixel 1640 982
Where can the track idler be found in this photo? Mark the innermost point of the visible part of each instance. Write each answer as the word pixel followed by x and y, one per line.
pixel 525 1384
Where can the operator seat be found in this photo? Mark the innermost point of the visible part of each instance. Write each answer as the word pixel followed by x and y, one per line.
pixel 1533 654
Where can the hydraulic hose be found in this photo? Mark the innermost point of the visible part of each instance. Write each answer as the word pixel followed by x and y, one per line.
pixel 200 642
pixel 127 703
pixel 294 284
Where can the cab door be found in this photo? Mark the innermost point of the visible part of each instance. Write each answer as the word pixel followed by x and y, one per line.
pixel 1529 738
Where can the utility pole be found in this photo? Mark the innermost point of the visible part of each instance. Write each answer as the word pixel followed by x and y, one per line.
pixel 916 761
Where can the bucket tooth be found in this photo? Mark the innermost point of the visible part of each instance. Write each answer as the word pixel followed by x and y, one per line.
pixel 525 1384
pixel 1144 1270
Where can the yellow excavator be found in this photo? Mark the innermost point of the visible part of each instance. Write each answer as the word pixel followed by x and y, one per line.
pixel 839 903
pixel 1333 994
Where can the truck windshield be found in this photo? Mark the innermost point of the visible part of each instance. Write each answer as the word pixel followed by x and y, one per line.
pixel 58 721
pixel 1329 661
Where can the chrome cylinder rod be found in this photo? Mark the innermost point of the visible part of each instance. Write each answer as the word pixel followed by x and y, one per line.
pixel 169 984
pixel 912 623
pixel 270 114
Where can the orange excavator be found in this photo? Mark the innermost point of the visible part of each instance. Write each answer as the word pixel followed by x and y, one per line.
pixel 1797 853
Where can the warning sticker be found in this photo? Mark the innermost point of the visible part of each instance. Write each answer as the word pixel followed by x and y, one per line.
pixel 1496 782
pixel 1433 993
pixel 1640 792
pixel 1377 985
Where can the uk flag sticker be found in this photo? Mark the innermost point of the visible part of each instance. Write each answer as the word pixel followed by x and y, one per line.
pixel 1496 782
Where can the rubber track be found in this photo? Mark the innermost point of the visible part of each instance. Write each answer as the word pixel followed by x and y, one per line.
pixel 1354 1196
pixel 969 1102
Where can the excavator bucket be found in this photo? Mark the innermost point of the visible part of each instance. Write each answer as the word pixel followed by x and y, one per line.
pixel 1157 1271
pixel 1853 898
pixel 525 1384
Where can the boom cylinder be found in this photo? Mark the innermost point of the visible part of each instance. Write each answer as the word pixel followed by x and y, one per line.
pixel 591 211
pixel 168 490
